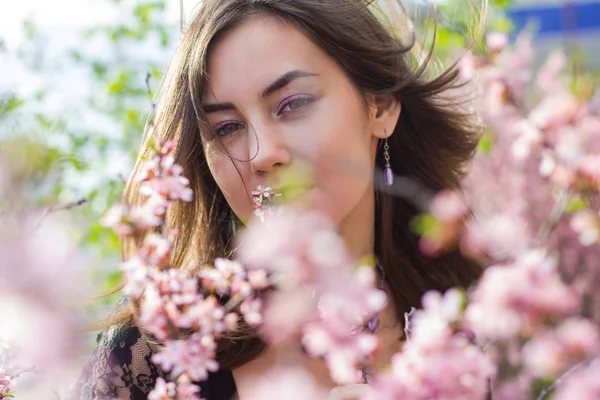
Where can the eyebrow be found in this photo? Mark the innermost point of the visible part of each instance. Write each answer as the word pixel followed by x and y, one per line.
pixel 279 84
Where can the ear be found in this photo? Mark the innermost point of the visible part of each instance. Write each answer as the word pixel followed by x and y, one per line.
pixel 384 111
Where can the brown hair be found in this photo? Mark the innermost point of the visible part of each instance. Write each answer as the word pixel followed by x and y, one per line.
pixel 433 140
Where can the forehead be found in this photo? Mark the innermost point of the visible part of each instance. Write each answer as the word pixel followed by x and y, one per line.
pixel 258 51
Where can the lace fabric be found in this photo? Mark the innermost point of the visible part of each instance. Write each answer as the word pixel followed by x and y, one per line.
pixel 121 368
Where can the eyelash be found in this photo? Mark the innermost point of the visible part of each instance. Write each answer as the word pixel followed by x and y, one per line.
pixel 220 127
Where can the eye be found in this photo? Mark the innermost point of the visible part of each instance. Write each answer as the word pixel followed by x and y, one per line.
pixel 295 104
pixel 228 129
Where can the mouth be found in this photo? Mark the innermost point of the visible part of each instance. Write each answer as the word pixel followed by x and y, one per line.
pixel 294 183
pixel 266 196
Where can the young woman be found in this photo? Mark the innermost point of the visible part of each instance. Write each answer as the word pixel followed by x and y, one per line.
pixel 260 85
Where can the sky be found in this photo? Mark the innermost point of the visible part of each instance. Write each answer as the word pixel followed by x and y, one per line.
pixel 54 14
pixel 61 14
pixel 66 83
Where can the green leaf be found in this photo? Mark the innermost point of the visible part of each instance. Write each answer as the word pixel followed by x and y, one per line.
pixel 539 385
pixel 99 69
pixel 369 260
pixel 424 223
pixel 74 161
pixel 30 159
pixel 502 25
pixel 164 36
pixel 76 55
pixel 143 11
pixel 576 203
pixel 42 121
pixel 10 104
pixel 486 143
pixel 114 279
pixel 502 3
pixel 155 71
pixel 40 95
pixel 29 29
pixel 92 195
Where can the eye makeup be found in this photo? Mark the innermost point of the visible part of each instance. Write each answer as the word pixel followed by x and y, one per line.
pixel 288 107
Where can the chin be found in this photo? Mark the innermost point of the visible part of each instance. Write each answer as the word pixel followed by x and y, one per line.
pixel 332 208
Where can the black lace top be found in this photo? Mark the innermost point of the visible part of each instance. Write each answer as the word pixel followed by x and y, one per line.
pixel 120 368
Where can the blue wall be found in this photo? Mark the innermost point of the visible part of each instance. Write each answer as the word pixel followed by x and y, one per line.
pixel 558 18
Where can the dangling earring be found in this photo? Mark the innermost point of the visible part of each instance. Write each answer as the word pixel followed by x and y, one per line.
pixel 233 223
pixel 389 175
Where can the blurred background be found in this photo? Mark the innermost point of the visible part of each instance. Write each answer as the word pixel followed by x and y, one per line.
pixel 74 96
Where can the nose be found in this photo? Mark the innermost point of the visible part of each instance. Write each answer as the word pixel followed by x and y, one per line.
pixel 268 150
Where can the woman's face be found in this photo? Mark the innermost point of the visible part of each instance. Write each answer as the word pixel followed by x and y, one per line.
pixel 277 100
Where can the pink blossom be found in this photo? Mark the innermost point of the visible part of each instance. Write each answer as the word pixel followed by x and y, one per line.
pixel 456 369
pixel 153 314
pixel 544 356
pixel 448 206
pixel 194 356
pixel 162 390
pixel 434 324
pixel 551 354
pixel 129 220
pixel 590 167
pixel 264 194
pixel 219 278
pixel 587 224
pixel 230 321
pixel 289 382
pixel 230 278
pixel 449 210
pixel 156 250
pixel 529 139
pixel 467 66
pixel 551 77
pixel 10 369
pixel 251 310
pixel 521 296
pixel 258 279
pixel 281 245
pixel 136 276
pixel 582 384
pixel 344 354
pixel 500 236
pixel 497 41
pixel 343 308
pixel 579 336
pixel 204 315
pixel 515 64
pixel 188 391
pixel 285 314
pixel 555 110
pixel 162 176
pixel 316 289
pixel 512 390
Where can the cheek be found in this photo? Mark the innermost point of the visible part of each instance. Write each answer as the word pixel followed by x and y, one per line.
pixel 343 164
pixel 343 177
pixel 229 180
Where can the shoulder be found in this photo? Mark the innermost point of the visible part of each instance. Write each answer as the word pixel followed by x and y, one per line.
pixel 120 367
pixel 124 344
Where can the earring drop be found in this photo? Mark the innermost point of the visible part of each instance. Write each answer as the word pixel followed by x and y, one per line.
pixel 389 175
pixel 233 223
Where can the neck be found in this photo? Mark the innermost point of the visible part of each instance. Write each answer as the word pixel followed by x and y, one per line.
pixel 358 233
pixel 358 229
